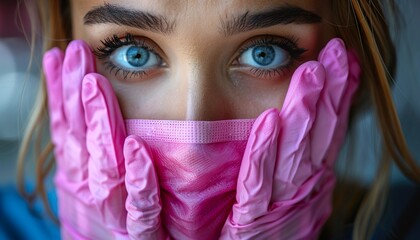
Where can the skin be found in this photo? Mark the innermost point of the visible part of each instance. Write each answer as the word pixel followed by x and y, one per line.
pixel 201 79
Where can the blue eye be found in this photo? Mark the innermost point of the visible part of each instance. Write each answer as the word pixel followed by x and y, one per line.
pixel 267 56
pixel 136 58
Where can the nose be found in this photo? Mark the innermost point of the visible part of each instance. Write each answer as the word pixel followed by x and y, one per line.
pixel 204 92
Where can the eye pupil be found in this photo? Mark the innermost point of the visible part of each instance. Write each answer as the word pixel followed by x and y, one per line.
pixel 137 56
pixel 263 55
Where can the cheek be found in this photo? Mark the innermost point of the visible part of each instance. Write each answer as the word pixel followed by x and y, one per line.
pixel 129 102
pixel 255 95
pixel 134 97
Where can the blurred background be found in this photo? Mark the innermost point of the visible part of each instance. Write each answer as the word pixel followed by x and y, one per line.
pixel 18 88
pixel 19 84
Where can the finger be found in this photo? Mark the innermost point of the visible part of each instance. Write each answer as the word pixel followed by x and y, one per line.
pixel 334 58
pixel 77 63
pixel 143 202
pixel 52 66
pixel 297 116
pixel 104 140
pixel 255 178
pixel 344 108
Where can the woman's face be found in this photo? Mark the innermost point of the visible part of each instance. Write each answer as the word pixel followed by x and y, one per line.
pixel 201 59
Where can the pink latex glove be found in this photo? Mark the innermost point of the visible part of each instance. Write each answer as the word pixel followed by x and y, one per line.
pixel 286 178
pixel 143 202
pixel 88 133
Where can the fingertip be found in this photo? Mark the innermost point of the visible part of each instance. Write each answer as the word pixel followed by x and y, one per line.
pixel 272 117
pixel 79 56
pixel 307 67
pixel 312 83
pixel 267 123
pixel 132 144
pixel 89 88
pixel 95 106
pixel 90 93
pixel 308 80
pixel 74 51
pixel 334 57
pixel 53 58
pixel 313 66
pixel 94 83
pixel 312 76
pixel 270 114
pixel 334 45
pixel 303 93
pixel 52 64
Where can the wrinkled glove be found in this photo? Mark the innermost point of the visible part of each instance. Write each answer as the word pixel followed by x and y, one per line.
pixel 143 203
pixel 286 178
pixel 88 133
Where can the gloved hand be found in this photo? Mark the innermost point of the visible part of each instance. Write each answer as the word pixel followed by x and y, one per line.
pixel 88 133
pixel 286 178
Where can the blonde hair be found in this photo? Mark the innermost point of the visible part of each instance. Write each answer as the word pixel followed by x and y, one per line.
pixel 361 24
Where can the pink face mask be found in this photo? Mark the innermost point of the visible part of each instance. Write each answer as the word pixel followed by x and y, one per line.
pixel 197 163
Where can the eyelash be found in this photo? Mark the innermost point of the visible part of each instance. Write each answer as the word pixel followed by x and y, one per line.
pixel 111 44
pixel 289 44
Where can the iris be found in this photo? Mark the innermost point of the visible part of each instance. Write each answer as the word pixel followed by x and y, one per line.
pixel 137 56
pixel 263 55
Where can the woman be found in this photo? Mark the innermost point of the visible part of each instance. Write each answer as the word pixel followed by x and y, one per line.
pixel 165 63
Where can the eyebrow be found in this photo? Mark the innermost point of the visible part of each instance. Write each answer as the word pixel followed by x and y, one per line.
pixel 109 13
pixel 282 15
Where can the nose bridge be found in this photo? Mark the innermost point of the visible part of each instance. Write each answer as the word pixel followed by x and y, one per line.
pixel 202 90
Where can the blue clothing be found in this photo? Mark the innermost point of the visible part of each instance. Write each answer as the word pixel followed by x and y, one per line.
pixel 19 220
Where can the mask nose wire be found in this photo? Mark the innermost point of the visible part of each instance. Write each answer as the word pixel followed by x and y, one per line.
pixel 195 132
